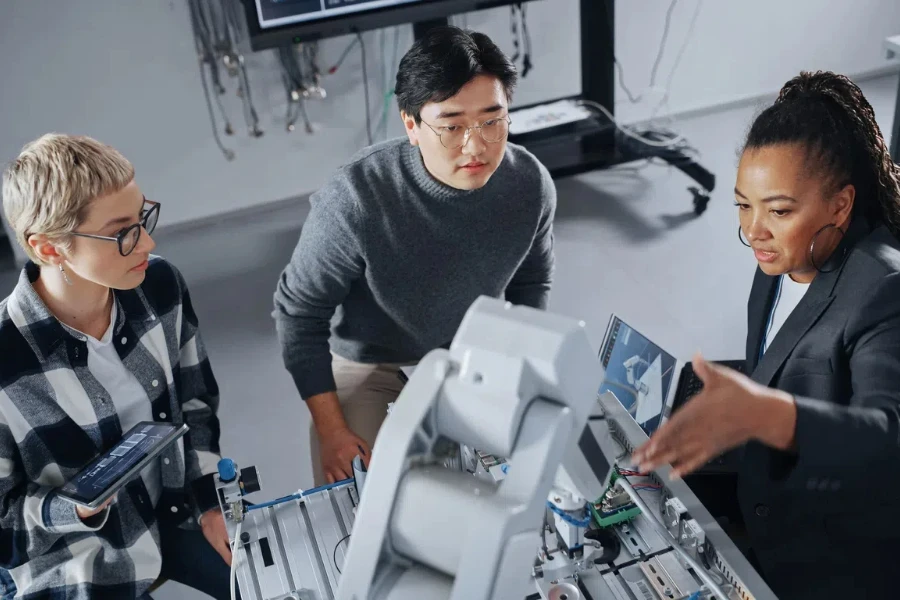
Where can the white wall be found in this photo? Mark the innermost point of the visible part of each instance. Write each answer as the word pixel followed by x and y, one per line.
pixel 741 50
pixel 126 72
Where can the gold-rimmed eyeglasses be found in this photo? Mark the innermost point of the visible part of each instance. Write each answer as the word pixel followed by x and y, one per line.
pixel 457 136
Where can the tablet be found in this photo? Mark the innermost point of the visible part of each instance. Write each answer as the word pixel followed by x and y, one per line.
pixel 122 463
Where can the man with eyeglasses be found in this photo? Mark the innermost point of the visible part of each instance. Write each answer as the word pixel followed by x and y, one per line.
pixel 401 241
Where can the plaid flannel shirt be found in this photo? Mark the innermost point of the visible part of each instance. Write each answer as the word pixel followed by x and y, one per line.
pixel 55 418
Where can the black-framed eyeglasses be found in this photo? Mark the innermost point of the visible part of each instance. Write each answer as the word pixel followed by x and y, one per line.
pixel 127 238
pixel 457 136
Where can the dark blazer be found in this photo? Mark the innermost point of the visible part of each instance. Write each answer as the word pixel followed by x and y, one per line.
pixel 824 520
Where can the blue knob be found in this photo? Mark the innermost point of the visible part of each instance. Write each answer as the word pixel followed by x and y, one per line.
pixel 227 470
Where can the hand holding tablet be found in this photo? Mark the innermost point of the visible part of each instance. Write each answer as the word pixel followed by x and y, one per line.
pixel 94 487
pixel 85 513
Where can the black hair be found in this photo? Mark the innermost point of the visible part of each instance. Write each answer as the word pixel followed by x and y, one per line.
pixel 443 61
pixel 830 117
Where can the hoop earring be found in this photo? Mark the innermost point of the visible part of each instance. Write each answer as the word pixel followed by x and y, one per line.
pixel 65 275
pixel 741 237
pixel 812 249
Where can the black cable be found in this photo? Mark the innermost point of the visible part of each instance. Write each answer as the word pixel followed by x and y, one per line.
pixel 609 541
pixel 526 61
pixel 344 55
pixel 202 60
pixel 218 28
pixel 231 27
pixel 209 48
pixel 295 87
pixel 233 17
pixel 662 43
pixel 311 54
pixel 229 154
pixel 514 30
pixel 208 56
pixel 612 50
pixel 334 554
pixel 365 74
pixel 544 528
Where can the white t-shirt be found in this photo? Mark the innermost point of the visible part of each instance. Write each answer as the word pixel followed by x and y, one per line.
pixel 786 300
pixel 128 396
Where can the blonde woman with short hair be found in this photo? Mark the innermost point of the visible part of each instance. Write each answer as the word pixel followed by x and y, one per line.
pixel 97 336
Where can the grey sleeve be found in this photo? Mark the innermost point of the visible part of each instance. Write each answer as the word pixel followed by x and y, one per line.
pixel 325 263
pixel 530 286
pixel 844 445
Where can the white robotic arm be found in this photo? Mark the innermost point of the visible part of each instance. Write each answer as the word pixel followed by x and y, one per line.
pixel 516 382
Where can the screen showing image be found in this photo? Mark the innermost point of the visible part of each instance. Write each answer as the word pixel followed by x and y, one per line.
pixel 638 372
pixel 106 469
pixel 274 13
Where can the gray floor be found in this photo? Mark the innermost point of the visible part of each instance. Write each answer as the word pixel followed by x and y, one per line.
pixel 627 242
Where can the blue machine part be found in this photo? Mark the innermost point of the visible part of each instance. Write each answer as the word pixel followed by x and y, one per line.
pixel 227 469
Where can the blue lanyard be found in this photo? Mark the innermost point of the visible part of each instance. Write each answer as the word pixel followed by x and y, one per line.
pixel 762 345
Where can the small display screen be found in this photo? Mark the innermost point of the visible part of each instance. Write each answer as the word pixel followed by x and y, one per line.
pixel 141 441
pixel 639 373
pixel 273 13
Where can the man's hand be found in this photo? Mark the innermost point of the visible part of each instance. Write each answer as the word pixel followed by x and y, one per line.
pixel 730 410
pixel 338 445
pixel 85 513
pixel 213 525
pixel 338 449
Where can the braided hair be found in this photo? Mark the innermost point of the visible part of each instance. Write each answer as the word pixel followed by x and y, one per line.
pixel 830 117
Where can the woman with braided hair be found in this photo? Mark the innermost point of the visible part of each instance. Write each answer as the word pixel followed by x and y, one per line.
pixel 816 425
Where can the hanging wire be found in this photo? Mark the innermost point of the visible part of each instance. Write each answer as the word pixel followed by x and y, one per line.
pixel 218 32
pixel 296 86
pixel 234 59
pixel 526 59
pixel 362 45
pixel 209 67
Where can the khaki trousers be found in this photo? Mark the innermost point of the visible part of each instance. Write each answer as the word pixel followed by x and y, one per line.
pixel 364 391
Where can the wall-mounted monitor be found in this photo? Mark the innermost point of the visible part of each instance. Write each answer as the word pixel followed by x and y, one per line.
pixel 277 22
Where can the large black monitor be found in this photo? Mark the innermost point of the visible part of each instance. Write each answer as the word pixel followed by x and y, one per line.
pixel 277 22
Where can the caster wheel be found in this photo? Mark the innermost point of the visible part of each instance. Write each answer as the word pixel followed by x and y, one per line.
pixel 700 203
pixel 701 200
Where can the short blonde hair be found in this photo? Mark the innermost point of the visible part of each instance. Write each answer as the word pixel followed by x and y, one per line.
pixel 49 187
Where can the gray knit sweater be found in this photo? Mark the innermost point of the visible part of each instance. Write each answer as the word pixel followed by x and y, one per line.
pixel 390 259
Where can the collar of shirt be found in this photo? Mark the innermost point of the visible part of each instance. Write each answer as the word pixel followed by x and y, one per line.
pixel 44 332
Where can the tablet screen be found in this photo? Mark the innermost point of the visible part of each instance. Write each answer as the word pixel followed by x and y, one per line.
pixel 146 439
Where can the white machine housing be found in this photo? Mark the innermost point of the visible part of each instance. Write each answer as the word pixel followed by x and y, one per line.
pixel 518 383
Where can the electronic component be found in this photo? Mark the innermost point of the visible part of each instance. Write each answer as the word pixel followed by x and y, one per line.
pixel 614 500
pixel 691 536
pixel 614 506
pixel 673 511
pixel 482 464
